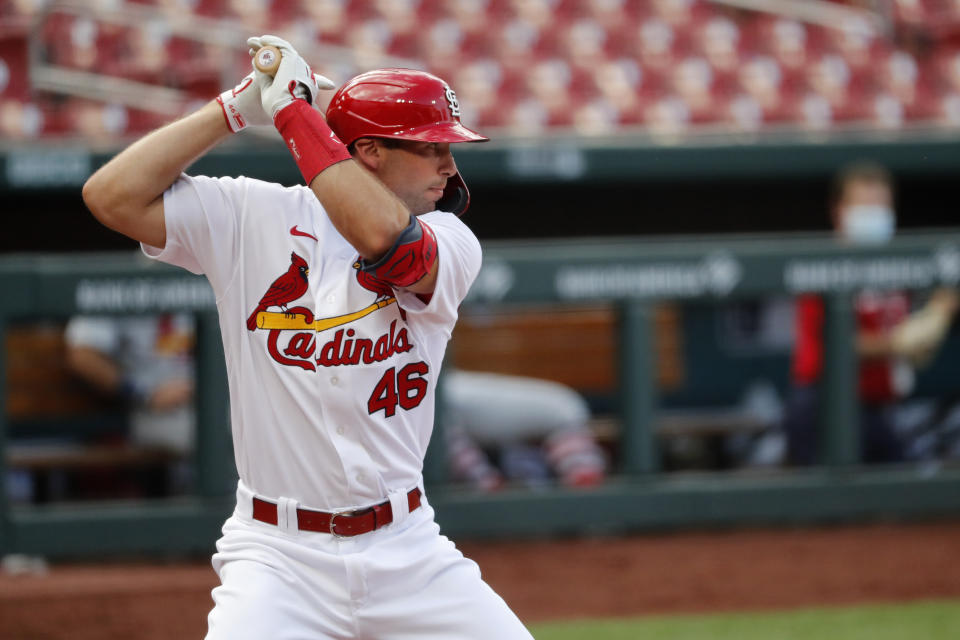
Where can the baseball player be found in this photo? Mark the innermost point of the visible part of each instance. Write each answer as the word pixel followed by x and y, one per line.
pixel 336 302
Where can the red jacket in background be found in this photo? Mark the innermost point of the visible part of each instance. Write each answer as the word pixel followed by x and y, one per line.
pixel 876 312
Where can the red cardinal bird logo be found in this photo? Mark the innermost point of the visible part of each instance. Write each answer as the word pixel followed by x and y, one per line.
pixel 372 283
pixel 284 290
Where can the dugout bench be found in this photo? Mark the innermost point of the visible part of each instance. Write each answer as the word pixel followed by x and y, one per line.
pixel 635 276
pixel 61 431
pixel 576 345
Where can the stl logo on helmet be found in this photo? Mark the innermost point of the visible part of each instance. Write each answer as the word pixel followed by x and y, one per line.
pixel 345 347
pixel 452 99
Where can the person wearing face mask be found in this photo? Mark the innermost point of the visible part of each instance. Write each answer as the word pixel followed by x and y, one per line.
pixel 891 341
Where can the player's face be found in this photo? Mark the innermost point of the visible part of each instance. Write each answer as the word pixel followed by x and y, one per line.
pixel 866 192
pixel 417 172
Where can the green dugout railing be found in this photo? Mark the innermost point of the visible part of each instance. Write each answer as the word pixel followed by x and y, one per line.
pixel 633 274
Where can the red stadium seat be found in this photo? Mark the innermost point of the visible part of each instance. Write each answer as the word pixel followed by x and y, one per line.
pixel 790 42
pixel 912 12
pixel 527 118
pixel 721 42
pixel 549 82
pixel 619 82
pixel 140 121
pixel 327 19
pixel 679 13
pixel 948 109
pixel 539 13
pixel 14 80
pixel 694 82
pixel 831 78
pixel 761 78
pixel 813 112
pixel 516 45
pixel 208 8
pixel 596 118
pixel 589 64
pixel 667 117
pixel 742 112
pixel 20 119
pixel 943 72
pixel 478 85
pixel 901 75
pixel 584 43
pixel 659 47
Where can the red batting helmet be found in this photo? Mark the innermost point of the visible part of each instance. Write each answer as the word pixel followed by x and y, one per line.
pixel 403 104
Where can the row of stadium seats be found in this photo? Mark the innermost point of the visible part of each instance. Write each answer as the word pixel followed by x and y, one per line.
pixel 526 66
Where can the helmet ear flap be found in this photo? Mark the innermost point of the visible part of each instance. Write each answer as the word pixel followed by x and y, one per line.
pixel 456 196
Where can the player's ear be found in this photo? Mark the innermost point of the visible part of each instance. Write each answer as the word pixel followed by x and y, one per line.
pixel 368 153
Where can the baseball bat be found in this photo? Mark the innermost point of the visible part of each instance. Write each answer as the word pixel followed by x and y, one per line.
pixel 267 59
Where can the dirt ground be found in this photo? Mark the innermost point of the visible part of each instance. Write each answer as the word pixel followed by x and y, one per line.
pixel 542 580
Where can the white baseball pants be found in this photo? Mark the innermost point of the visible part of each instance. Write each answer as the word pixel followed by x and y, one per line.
pixel 404 581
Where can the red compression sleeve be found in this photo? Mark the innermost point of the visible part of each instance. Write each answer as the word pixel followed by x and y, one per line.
pixel 311 142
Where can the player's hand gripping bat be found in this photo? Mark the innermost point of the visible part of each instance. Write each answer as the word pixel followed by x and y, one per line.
pixel 292 76
pixel 267 59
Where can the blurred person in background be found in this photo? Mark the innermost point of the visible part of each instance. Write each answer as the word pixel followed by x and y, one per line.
pixel 890 343
pixel 147 363
pixel 535 429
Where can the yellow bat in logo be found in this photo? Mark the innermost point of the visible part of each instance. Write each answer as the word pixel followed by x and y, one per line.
pixel 297 321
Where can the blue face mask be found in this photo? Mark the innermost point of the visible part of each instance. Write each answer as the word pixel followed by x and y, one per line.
pixel 868 224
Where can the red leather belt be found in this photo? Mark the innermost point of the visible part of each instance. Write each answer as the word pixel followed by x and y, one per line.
pixel 341 523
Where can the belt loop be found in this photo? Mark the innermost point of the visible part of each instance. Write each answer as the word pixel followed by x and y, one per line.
pixel 399 505
pixel 244 500
pixel 287 515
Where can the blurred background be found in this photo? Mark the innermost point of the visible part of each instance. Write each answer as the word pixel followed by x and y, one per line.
pixel 719 288
pixel 624 80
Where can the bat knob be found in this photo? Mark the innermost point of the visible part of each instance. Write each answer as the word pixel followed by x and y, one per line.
pixel 267 59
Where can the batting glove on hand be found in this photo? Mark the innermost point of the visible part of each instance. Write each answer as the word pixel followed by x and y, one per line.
pixel 241 105
pixel 293 80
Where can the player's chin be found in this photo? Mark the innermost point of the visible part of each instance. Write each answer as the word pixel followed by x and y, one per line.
pixel 429 202
pixel 423 207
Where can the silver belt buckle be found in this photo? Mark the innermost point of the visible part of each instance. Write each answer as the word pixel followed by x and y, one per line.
pixel 333 523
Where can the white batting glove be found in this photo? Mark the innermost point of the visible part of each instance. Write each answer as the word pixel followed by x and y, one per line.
pixel 293 80
pixel 241 105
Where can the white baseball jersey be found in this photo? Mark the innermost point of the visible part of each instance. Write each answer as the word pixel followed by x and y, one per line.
pixel 332 376
pixel 332 380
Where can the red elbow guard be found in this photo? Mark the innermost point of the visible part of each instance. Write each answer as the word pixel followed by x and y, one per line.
pixel 409 259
